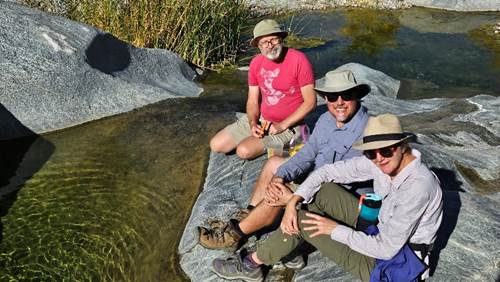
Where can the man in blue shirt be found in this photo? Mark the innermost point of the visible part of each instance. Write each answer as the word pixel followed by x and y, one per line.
pixel 335 132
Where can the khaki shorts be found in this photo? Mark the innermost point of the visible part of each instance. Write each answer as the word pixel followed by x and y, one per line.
pixel 293 186
pixel 240 130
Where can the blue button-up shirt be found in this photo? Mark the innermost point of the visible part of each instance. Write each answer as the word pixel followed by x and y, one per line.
pixel 327 144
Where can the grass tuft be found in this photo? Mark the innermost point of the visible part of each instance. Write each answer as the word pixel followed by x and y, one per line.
pixel 203 32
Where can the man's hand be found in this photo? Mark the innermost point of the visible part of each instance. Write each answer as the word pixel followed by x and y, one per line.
pixel 289 221
pixel 260 130
pixel 321 225
pixel 256 131
pixel 277 194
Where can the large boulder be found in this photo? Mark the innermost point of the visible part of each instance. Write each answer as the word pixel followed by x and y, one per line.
pixel 470 225
pixel 58 73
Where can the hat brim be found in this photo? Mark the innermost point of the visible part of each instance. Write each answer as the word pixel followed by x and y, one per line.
pixel 363 90
pixel 254 41
pixel 359 145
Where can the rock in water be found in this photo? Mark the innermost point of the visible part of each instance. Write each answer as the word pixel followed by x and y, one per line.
pixel 58 73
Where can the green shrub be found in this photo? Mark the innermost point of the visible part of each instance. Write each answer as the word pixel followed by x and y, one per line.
pixel 204 32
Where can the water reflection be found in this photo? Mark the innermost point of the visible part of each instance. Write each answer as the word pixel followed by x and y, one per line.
pixel 486 37
pixel 110 203
pixel 370 31
pixel 412 45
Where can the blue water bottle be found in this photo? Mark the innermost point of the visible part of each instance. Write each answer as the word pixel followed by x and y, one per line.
pixel 369 206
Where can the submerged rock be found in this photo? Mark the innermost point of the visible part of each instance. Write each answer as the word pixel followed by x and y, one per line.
pixel 59 73
pixel 467 244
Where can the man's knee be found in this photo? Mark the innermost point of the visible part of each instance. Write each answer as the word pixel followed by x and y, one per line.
pixel 243 152
pixel 222 142
pixel 330 191
pixel 332 195
pixel 246 152
pixel 215 145
pixel 273 163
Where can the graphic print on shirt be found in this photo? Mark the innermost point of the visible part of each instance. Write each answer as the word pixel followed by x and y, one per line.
pixel 272 96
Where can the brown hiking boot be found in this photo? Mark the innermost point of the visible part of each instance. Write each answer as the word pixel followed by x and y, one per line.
pixel 221 224
pixel 224 238
pixel 217 224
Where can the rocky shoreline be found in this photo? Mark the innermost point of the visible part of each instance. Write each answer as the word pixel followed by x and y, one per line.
pixel 262 7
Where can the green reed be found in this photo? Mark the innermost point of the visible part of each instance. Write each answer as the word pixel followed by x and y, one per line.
pixel 203 32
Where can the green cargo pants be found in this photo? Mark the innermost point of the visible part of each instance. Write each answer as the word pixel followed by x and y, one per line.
pixel 332 201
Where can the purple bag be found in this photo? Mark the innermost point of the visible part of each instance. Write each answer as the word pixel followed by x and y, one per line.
pixel 404 266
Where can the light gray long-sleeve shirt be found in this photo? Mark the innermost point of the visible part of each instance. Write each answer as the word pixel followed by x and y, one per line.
pixel 411 207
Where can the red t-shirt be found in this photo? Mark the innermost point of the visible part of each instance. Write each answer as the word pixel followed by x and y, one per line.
pixel 280 83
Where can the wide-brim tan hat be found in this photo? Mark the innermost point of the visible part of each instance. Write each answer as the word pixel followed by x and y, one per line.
pixel 381 131
pixel 266 27
pixel 338 81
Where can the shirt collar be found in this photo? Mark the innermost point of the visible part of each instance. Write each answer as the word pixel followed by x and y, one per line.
pixel 355 121
pixel 408 170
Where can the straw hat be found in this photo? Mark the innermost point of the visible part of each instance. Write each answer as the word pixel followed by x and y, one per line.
pixel 340 80
pixel 266 27
pixel 381 131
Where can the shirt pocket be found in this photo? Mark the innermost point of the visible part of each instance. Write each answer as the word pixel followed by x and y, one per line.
pixel 326 152
pixel 387 210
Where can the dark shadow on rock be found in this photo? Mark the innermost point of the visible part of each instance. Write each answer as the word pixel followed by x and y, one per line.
pixel 451 208
pixel 108 54
pixel 20 159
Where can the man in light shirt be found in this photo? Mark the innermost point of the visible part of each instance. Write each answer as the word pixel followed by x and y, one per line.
pixel 411 209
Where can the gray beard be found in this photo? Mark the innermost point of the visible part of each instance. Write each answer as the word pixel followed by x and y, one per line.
pixel 274 53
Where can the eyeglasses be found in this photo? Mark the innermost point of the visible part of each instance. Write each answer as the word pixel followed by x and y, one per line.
pixel 272 41
pixel 386 152
pixel 331 97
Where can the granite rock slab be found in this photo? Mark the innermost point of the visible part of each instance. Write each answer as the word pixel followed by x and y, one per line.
pixel 59 73
pixel 467 243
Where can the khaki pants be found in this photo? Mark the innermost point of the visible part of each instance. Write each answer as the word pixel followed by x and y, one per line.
pixel 332 201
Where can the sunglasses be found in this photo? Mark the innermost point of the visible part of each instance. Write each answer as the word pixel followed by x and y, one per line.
pixel 332 97
pixel 386 152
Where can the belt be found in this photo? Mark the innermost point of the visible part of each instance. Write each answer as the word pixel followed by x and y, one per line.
pixel 423 248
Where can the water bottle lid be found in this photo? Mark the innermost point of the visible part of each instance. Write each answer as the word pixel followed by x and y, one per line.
pixel 372 200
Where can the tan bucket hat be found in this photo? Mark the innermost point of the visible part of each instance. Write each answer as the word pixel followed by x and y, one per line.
pixel 266 27
pixel 381 131
pixel 338 81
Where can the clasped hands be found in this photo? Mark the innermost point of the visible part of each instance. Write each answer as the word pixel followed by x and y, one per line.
pixel 277 192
